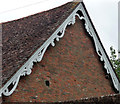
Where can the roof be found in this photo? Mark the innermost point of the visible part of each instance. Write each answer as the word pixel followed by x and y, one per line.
pixel 26 40
pixel 21 38
pixel 15 9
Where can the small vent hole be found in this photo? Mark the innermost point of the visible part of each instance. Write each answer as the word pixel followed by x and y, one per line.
pixel 47 83
pixel 43 65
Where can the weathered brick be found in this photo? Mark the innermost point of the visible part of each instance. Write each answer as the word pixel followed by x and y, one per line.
pixel 72 67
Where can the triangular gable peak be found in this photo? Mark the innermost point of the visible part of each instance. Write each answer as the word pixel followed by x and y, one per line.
pixel 23 63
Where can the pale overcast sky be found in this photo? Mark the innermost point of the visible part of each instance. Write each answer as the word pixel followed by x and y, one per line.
pixel 104 15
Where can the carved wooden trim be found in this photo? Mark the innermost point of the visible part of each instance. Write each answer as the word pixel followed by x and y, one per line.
pixel 26 69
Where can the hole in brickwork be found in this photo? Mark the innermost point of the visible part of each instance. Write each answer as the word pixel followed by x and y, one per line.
pixel 74 79
pixel 107 76
pixel 3 100
pixel 43 65
pixel 47 83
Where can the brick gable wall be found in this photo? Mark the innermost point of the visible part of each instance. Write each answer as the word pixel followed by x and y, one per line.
pixel 69 71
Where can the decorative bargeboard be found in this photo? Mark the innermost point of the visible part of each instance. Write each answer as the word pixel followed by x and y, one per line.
pixel 26 69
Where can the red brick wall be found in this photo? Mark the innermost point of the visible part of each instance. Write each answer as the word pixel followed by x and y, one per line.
pixel 72 70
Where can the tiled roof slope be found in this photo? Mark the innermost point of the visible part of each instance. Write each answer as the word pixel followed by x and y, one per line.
pixel 70 71
pixel 21 38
